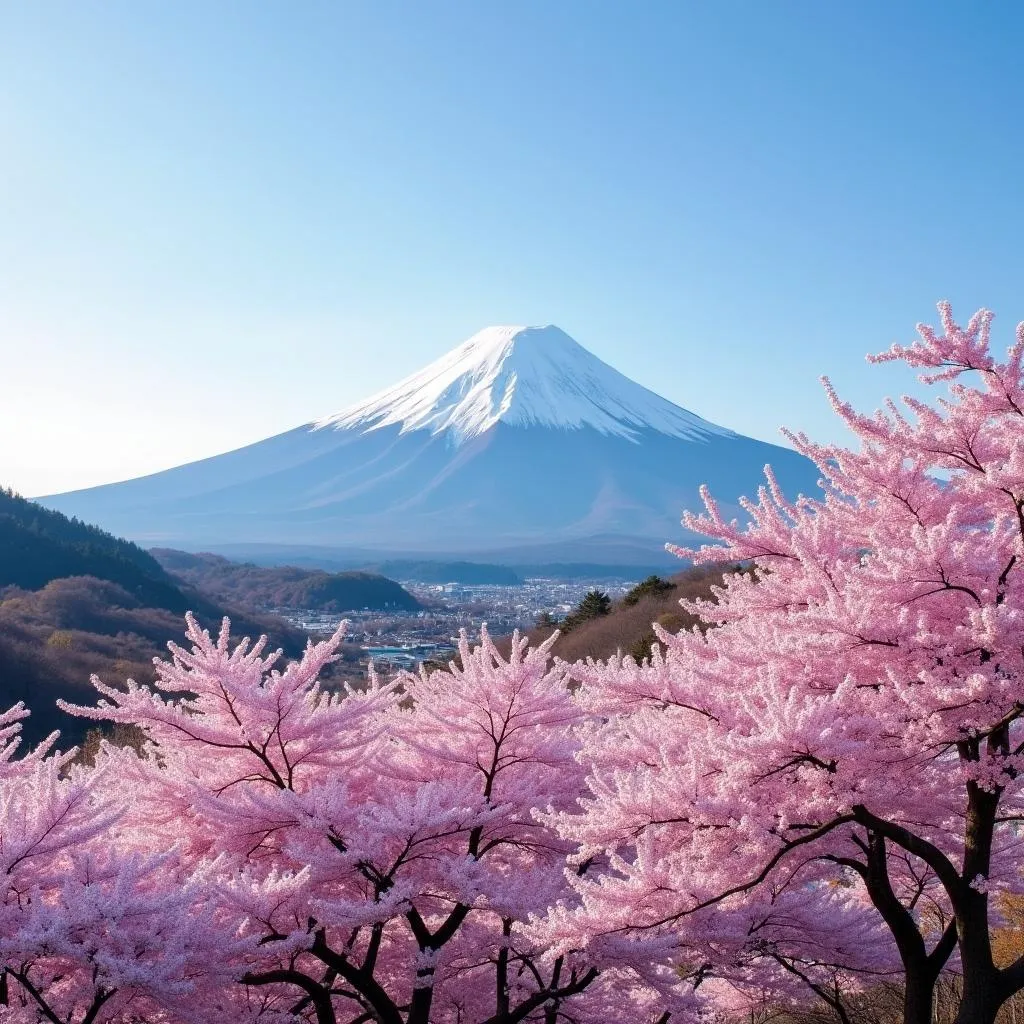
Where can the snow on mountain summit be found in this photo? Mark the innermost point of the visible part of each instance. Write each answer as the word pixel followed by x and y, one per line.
pixel 521 376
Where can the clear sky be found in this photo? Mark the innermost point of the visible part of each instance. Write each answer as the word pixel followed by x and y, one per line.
pixel 221 220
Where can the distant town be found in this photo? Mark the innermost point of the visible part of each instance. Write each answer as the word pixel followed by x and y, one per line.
pixel 394 640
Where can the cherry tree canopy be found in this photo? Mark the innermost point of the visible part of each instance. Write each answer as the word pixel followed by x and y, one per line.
pixel 382 849
pixel 854 714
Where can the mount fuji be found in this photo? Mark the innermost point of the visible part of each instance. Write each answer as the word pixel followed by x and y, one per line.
pixel 518 439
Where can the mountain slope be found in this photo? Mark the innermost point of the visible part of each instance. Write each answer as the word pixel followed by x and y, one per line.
pixel 517 437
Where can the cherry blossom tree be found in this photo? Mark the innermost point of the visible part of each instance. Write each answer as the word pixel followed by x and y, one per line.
pixel 95 926
pixel 853 716
pixel 381 849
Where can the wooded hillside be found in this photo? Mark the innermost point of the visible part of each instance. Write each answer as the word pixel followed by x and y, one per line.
pixel 75 600
pixel 39 545
pixel 256 586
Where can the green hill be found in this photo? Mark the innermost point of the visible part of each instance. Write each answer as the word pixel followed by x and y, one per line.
pixel 256 586
pixel 39 546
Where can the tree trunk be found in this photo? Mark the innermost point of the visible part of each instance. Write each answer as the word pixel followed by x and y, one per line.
pixel 921 968
pixel 918 997
pixel 983 989
pixel 980 1003
pixel 422 997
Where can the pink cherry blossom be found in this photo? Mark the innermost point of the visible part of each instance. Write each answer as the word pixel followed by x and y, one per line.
pixel 853 715
pixel 385 852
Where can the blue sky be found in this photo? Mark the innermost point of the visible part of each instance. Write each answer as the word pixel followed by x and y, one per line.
pixel 218 221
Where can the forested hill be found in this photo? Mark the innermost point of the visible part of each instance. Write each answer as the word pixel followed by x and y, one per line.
pixel 264 587
pixel 38 546
pixel 75 600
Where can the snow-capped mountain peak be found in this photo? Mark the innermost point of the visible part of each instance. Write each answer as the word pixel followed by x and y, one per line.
pixel 521 376
pixel 572 462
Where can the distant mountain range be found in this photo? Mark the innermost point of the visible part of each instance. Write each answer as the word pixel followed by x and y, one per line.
pixel 517 440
